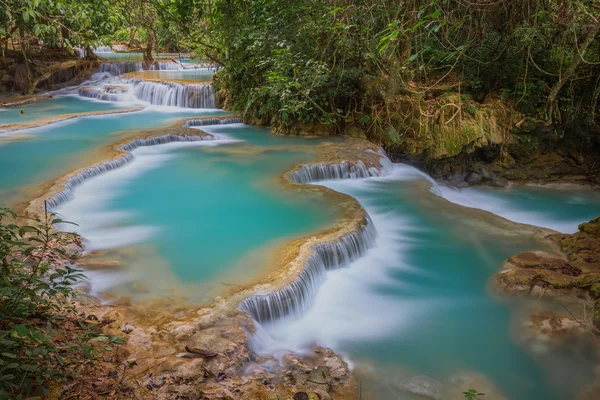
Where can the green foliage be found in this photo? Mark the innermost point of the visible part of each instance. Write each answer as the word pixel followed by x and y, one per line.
pixel 472 394
pixel 34 289
pixel 302 61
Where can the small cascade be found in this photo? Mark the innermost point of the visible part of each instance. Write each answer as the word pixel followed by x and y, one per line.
pixel 67 194
pixel 387 166
pixel 108 93
pixel 212 121
pixel 166 66
pixel 343 170
pixel 103 49
pixel 175 95
pixel 297 297
pixel 119 68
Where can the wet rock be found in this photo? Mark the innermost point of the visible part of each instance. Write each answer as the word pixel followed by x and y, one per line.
pixel 127 328
pixel 458 180
pixel 473 178
pixel 499 182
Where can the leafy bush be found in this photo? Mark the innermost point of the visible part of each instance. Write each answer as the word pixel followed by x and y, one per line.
pixel 35 284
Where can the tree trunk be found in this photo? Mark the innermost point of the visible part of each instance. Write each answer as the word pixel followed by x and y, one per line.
pixel 148 59
pixel 564 78
pixel 89 53
pixel 23 45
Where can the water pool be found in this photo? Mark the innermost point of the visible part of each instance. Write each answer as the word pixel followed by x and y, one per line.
pixel 54 107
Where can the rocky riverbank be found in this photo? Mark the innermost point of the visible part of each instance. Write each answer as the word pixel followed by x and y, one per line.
pixel 565 284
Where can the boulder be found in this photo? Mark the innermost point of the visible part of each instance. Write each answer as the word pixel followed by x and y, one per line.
pixel 473 178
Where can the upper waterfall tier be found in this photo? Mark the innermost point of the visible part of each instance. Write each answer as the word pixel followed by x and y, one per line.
pixel 175 94
pixel 157 93
pixel 124 67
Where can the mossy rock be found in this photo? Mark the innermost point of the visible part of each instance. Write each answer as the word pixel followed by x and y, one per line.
pixel 591 228
pixel 595 291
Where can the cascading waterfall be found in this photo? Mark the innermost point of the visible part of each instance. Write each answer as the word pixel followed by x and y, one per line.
pixel 212 121
pixel 119 68
pixel 156 93
pixel 175 95
pixel 343 170
pixel 103 49
pixel 107 94
pixel 67 194
pixel 297 297
pixel 166 66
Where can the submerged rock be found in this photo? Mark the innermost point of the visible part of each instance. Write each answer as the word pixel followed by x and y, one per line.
pixel 425 386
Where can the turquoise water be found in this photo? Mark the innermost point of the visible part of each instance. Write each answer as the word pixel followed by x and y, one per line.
pixel 418 303
pixel 58 148
pixel 183 75
pixel 213 209
pixel 52 108
pixel 560 209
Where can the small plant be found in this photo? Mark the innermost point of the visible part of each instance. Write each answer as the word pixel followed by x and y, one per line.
pixel 472 394
pixel 35 284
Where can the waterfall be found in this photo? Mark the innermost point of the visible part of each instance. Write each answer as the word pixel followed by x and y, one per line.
pixel 297 297
pixel 175 94
pixel 120 68
pixel 212 121
pixel 103 49
pixel 343 170
pixel 156 93
pixel 106 94
pixel 166 66
pixel 65 195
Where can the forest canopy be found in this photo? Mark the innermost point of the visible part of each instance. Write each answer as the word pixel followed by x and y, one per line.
pixel 342 63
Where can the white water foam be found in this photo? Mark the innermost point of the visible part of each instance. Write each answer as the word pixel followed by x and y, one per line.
pixel 511 210
pixel 349 305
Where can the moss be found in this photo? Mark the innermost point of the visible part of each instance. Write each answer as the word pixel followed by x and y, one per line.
pixel 596 317
pixel 591 228
pixel 595 291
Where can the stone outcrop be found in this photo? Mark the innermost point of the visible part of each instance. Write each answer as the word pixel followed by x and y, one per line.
pixel 573 271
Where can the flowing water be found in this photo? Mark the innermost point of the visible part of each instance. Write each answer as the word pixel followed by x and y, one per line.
pixel 416 303
pixel 52 108
pixel 405 299
pixel 55 149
